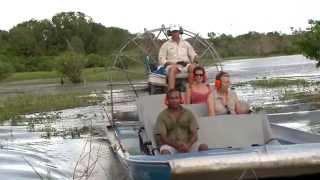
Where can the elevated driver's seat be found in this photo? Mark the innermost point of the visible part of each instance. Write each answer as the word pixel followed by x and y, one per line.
pixel 157 78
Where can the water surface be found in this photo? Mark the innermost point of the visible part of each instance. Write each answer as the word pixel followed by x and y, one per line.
pixel 28 153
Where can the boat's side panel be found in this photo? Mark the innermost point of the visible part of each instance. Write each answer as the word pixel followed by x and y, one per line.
pixel 265 174
pixel 230 163
pixel 266 161
pixel 294 136
pixel 149 171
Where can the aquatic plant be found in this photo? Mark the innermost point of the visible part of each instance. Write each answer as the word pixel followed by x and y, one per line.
pixel 301 96
pixel 13 107
pixel 272 83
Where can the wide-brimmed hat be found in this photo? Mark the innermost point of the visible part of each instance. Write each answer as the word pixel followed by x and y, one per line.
pixel 174 29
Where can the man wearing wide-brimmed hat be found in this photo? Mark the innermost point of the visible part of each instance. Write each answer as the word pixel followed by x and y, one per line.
pixel 177 55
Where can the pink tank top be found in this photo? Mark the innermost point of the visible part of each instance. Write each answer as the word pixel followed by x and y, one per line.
pixel 199 97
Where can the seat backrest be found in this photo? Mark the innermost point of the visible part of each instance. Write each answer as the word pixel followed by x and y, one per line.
pixel 234 130
pixel 149 108
pixel 218 132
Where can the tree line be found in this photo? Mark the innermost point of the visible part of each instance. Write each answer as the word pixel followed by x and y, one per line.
pixel 254 44
pixel 309 41
pixel 34 45
pixel 45 45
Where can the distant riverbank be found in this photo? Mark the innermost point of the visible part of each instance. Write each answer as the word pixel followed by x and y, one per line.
pixel 42 91
pixel 255 57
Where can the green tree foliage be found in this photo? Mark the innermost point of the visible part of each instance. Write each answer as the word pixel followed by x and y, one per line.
pixel 30 45
pixel 309 41
pixel 71 24
pixel 16 62
pixel 31 38
pixel 22 41
pixel 111 40
pixel 254 44
pixel 76 28
pixel 4 44
pixel 33 45
pixel 95 60
pixel 76 45
pixel 70 65
pixel 36 63
pixel 5 69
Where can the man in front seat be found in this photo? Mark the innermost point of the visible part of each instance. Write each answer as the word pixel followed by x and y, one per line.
pixel 177 55
pixel 178 127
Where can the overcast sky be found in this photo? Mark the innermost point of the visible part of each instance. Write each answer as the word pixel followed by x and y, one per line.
pixel 220 16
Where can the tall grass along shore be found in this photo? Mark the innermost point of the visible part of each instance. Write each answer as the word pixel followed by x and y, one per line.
pixel 13 106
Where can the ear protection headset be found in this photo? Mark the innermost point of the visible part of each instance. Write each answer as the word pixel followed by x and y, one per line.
pixel 217 84
pixel 169 32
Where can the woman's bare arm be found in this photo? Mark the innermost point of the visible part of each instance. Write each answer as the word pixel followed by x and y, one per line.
pixel 211 105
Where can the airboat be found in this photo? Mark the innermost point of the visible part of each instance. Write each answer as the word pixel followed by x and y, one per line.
pixel 240 146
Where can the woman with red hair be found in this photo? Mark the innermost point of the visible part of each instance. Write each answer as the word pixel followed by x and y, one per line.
pixel 199 91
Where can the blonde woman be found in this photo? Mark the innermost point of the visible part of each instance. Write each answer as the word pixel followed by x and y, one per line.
pixel 225 99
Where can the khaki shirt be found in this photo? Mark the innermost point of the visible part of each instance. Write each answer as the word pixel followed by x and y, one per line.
pixel 231 102
pixel 171 51
pixel 178 131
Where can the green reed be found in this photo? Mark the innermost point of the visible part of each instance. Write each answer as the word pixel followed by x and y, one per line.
pixel 12 107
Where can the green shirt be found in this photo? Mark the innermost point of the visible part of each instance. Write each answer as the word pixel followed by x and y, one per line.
pixel 177 130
